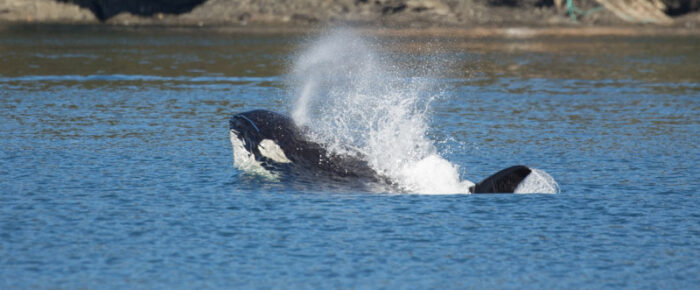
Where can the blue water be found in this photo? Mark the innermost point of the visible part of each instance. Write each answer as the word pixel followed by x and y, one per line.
pixel 117 170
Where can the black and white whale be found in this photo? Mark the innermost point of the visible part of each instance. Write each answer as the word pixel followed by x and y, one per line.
pixel 274 142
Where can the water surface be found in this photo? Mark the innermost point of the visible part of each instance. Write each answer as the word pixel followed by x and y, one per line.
pixel 117 169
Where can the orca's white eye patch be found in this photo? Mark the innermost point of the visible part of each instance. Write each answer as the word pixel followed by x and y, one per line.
pixel 244 159
pixel 271 150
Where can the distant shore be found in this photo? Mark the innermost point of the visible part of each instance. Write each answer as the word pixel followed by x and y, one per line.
pixel 469 18
pixel 441 32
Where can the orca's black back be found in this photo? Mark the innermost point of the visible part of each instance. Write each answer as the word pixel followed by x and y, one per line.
pixel 504 181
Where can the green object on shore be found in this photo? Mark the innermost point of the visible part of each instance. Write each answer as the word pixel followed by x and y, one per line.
pixel 573 10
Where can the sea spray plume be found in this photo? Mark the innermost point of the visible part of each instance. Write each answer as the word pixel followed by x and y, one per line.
pixel 358 102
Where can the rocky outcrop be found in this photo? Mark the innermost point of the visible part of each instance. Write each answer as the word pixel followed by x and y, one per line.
pixel 312 11
pixel 106 9
pixel 29 11
pixel 638 11
pixel 397 13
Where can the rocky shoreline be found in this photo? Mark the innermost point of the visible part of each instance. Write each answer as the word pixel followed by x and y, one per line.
pixel 300 14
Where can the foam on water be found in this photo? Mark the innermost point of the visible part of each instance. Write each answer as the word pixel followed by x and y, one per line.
pixel 358 102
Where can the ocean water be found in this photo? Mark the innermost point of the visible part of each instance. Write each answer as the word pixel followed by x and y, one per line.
pixel 117 168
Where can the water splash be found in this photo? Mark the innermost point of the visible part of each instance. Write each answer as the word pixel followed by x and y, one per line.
pixel 538 181
pixel 359 102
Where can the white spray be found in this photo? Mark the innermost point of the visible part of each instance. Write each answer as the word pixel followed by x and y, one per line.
pixel 357 102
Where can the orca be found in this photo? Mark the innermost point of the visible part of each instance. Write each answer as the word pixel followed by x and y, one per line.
pixel 277 143
pixel 274 142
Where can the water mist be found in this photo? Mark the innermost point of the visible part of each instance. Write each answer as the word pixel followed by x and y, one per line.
pixel 360 102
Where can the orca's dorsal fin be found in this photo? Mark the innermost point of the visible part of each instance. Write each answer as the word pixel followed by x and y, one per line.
pixel 504 181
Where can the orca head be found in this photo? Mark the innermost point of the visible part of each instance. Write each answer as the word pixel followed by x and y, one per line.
pixel 245 130
pixel 261 134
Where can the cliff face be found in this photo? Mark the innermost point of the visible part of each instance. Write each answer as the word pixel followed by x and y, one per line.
pixel 399 13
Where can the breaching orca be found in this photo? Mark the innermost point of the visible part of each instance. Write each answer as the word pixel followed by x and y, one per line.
pixel 276 143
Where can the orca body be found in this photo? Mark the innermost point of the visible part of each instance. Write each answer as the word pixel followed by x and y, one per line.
pixel 278 144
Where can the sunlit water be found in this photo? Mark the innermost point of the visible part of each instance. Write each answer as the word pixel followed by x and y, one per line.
pixel 117 167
